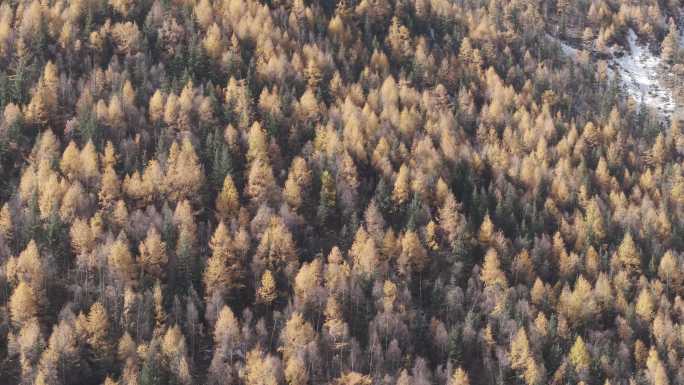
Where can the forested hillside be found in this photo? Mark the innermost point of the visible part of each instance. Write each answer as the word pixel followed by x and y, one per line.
pixel 358 192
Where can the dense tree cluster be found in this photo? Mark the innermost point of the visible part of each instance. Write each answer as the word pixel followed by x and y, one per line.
pixel 353 192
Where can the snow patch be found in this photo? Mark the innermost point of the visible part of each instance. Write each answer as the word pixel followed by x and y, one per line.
pixel 568 50
pixel 639 70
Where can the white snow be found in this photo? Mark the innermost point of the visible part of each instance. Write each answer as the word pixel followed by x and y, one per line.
pixel 568 50
pixel 565 47
pixel 639 69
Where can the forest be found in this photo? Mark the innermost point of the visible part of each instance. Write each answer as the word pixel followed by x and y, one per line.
pixel 352 192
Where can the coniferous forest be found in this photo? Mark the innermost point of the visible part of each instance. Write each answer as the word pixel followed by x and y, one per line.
pixel 353 192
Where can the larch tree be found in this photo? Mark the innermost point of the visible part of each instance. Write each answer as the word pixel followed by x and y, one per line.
pixel 413 256
pixel 337 272
pixel 399 40
pixel 261 186
pixel 124 7
pixel 297 337
pixel 224 270
pixel 23 305
pixel 627 257
pixel 262 368
pixel 487 230
pixel 120 260
pixel 491 274
pixel 228 200
pixel 156 107
pixel 98 333
pixel 226 340
pixel 644 306
pixel 6 223
pixel 459 377
pixel 29 267
pixel 669 270
pixel 174 350
pixel 296 372
pixel 70 164
pixel 656 371
pixel 204 13
pixel 184 175
pixel 669 49
pixel 520 350
pixel 335 326
pixel 308 283
pixel 110 188
pixel 186 242
pixel 328 196
pixel 153 257
pixel 257 143
pixel 292 192
pixel 213 42
pixel 579 355
pixel 353 378
pixel 267 290
pixel 298 183
pixel 276 249
pixel 400 193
